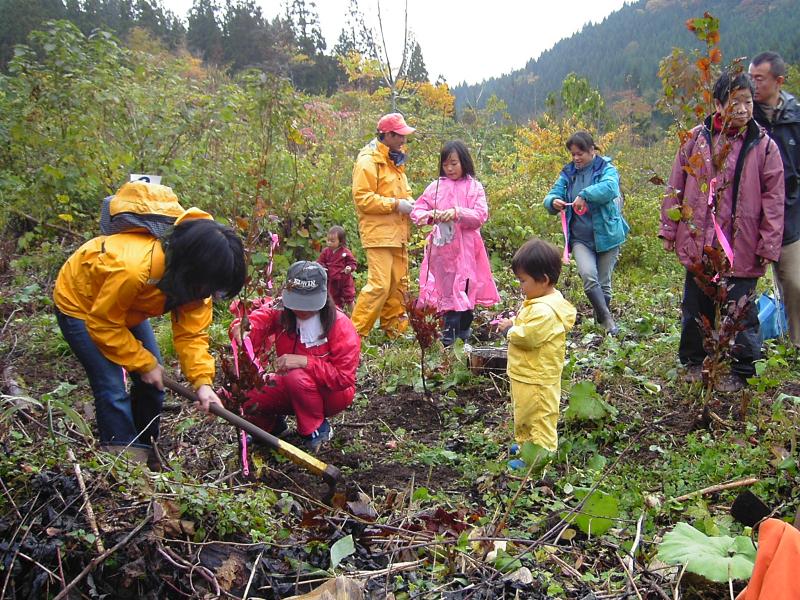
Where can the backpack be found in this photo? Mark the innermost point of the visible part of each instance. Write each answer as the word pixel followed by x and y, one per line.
pixel 140 206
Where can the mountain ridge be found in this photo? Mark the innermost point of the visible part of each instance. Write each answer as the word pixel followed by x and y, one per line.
pixel 631 42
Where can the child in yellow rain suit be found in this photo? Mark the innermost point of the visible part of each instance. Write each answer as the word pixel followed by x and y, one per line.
pixel 537 344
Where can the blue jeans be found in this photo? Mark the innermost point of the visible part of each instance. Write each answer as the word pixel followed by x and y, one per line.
pixel 122 419
pixel 595 268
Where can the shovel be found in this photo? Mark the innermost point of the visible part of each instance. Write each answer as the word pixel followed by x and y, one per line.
pixel 329 473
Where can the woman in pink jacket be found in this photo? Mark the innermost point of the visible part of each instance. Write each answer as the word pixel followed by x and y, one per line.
pixel 318 351
pixel 731 154
pixel 455 274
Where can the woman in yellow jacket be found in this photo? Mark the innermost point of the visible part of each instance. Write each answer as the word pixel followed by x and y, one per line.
pixel 110 286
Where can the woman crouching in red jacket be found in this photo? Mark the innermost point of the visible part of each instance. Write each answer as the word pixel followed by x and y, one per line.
pixel 318 351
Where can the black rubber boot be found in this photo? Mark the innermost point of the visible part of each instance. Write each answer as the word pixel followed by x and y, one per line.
pixel 465 323
pixel 452 321
pixel 601 312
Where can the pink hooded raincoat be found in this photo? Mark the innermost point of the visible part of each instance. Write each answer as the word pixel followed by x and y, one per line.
pixel 456 275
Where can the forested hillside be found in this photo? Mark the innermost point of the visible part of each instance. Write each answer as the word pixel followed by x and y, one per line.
pixel 234 34
pixel 622 52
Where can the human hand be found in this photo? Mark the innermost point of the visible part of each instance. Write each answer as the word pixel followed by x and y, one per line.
pixel 763 261
pixel 154 377
pixel 669 245
pixel 287 362
pixel 559 204
pixel 404 207
pixel 504 325
pixel 348 269
pixel 444 216
pixel 579 205
pixel 207 396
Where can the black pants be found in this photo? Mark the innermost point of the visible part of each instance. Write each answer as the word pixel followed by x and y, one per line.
pixel 456 325
pixel 747 346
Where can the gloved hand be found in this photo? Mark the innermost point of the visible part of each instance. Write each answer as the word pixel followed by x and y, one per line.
pixel 404 207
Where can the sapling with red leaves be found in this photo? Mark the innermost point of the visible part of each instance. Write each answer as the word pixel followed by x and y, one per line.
pixel 730 318
pixel 427 323
pixel 722 213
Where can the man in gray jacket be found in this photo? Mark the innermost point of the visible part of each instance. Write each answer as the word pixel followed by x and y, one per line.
pixel 779 113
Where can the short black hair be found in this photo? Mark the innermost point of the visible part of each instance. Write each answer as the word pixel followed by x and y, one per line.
pixel 340 234
pixel 203 257
pixel 777 66
pixel 729 82
pixel 538 259
pixel 460 148
pixel 583 140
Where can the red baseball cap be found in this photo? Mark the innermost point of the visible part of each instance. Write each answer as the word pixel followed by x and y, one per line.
pixel 394 122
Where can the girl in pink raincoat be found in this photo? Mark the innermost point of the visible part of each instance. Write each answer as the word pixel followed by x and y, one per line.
pixel 455 274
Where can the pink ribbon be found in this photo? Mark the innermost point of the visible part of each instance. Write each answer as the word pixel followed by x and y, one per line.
pixel 582 211
pixel 723 241
pixel 248 348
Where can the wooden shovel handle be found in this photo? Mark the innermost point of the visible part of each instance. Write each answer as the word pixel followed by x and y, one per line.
pixel 328 472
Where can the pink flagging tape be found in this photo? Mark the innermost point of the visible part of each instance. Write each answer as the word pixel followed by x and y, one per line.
pixel 723 241
pixel 581 211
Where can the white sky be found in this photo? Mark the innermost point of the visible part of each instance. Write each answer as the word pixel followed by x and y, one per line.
pixel 464 40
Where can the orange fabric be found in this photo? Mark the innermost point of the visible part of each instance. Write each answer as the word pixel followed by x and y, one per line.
pixel 110 284
pixel 777 563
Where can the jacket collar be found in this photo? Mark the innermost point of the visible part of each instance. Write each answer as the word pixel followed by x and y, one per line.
pixel 753 131
pixel 597 165
pixel 381 154
pixel 789 111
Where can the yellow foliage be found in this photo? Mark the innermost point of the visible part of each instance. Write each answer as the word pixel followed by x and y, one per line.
pixel 360 69
pixel 436 97
pixel 539 150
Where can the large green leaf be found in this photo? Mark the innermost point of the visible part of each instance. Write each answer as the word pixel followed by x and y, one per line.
pixel 716 558
pixel 585 404
pixel 341 550
pixel 595 518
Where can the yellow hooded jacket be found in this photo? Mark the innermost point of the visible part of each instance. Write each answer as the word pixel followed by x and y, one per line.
pixel 537 341
pixel 110 284
pixel 377 185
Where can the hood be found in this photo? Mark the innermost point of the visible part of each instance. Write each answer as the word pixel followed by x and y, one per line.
pixel 564 311
pixel 192 213
pixel 598 164
pixel 379 153
pixel 790 109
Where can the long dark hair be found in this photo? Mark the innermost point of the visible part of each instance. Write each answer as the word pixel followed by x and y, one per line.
pixel 203 257
pixel 327 314
pixel 460 148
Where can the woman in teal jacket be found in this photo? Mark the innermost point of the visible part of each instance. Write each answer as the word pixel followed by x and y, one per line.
pixel 588 190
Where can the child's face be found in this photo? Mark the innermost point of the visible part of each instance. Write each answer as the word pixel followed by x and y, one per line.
pixel 738 110
pixel 332 241
pixel 452 167
pixel 530 287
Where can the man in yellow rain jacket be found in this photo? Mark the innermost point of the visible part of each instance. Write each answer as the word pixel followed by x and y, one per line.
pixel 110 286
pixel 383 201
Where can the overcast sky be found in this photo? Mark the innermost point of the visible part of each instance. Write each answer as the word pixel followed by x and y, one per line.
pixel 466 40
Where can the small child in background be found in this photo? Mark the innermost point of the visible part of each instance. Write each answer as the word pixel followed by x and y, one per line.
pixel 537 345
pixel 340 264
